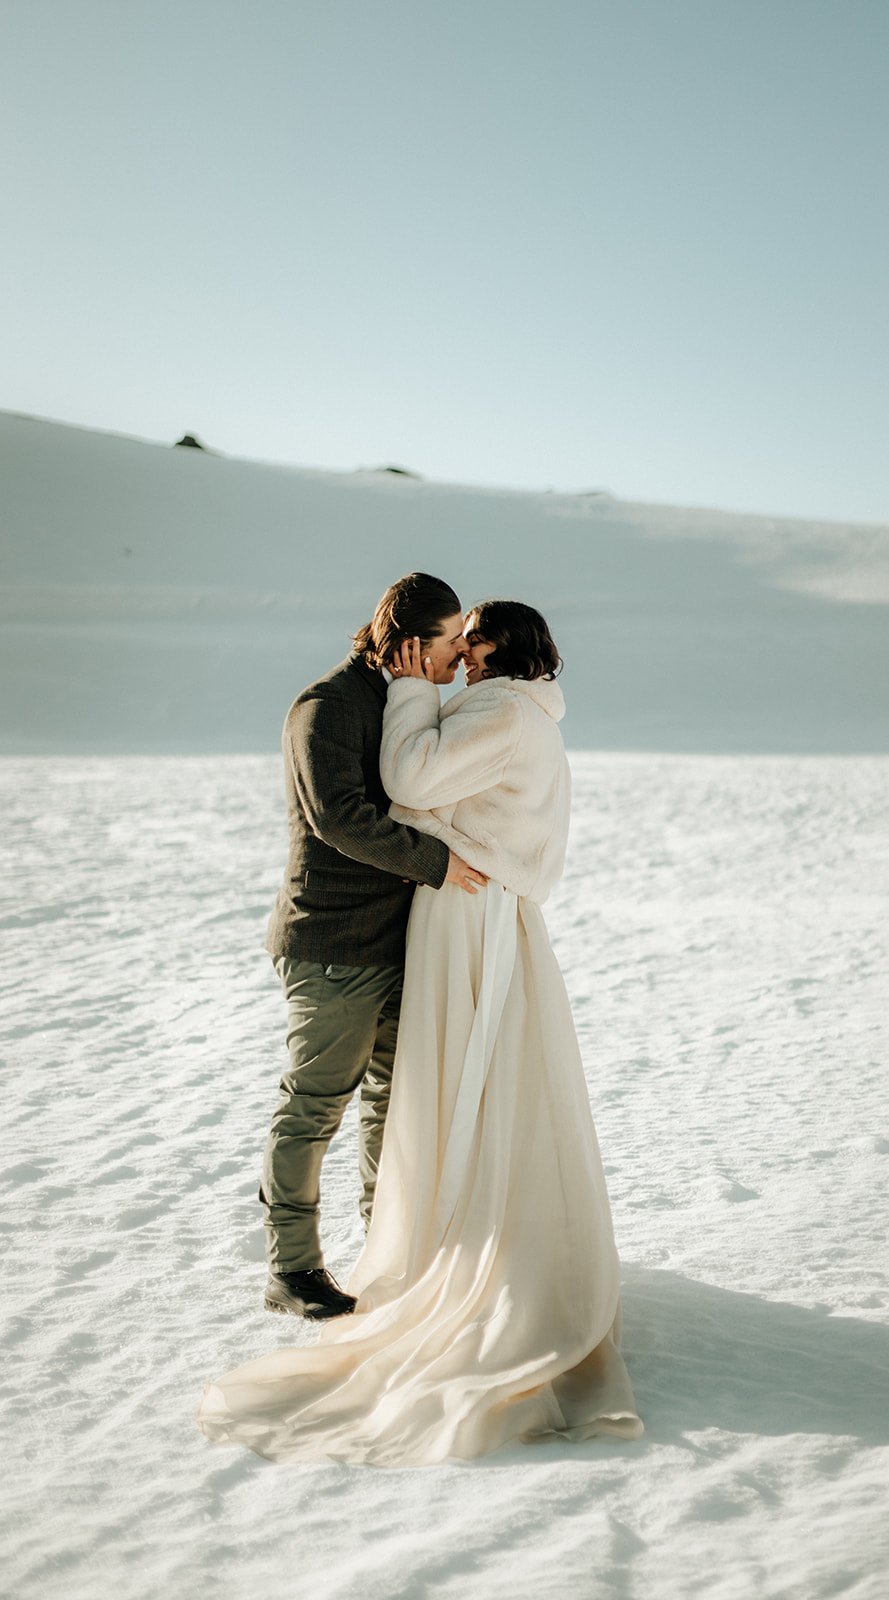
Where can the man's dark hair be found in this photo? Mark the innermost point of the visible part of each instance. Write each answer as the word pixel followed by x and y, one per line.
pixel 524 646
pixel 416 605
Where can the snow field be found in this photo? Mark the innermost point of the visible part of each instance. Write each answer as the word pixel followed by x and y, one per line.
pixel 722 929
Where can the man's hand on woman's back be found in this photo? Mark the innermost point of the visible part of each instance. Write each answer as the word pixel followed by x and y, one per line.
pixel 461 873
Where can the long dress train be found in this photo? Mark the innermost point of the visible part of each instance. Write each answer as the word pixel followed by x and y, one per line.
pixel 488 1286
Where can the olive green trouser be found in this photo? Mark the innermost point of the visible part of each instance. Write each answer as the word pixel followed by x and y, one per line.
pixel 342 1024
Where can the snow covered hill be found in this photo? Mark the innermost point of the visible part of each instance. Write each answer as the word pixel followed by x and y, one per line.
pixel 157 599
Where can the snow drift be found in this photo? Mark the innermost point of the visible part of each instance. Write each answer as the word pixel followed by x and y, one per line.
pixel 162 600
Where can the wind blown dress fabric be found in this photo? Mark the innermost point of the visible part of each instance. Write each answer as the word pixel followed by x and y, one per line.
pixel 488 1307
pixel 488 1288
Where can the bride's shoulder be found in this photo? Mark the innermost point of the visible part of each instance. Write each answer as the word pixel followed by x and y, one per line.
pixel 494 697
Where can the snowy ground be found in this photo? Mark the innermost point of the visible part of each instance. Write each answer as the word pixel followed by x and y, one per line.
pixel 723 930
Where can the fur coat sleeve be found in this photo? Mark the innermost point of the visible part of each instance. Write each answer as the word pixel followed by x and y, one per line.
pixel 431 760
pixel 486 773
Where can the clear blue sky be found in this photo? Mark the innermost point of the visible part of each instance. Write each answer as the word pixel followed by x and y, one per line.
pixel 640 245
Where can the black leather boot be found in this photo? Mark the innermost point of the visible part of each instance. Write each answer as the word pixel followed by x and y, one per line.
pixel 311 1293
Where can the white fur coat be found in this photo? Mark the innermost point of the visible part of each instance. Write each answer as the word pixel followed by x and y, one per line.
pixel 486 773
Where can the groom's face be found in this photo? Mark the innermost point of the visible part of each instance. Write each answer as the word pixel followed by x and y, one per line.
pixel 447 649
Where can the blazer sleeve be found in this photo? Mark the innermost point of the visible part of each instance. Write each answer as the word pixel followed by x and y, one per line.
pixel 427 760
pixel 324 742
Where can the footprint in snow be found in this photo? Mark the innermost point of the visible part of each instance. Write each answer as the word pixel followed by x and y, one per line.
pixel 718 1507
pixel 74 1269
pixel 25 1172
pixel 736 1193
pixel 139 1216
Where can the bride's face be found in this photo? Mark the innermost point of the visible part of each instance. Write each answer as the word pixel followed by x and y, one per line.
pixel 477 652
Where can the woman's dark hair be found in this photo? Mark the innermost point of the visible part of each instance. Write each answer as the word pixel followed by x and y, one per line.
pixel 523 644
pixel 415 605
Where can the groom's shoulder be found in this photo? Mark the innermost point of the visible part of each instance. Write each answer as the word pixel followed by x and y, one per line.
pixel 350 684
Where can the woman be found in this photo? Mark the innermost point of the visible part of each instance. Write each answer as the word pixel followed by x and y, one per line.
pixel 488 1288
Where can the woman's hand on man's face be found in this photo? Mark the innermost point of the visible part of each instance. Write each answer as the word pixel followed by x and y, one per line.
pixel 408 663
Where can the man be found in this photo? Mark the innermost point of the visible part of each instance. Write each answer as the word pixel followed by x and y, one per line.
pixel 337 932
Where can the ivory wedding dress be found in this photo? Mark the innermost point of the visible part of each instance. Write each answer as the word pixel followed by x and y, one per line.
pixel 488 1288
